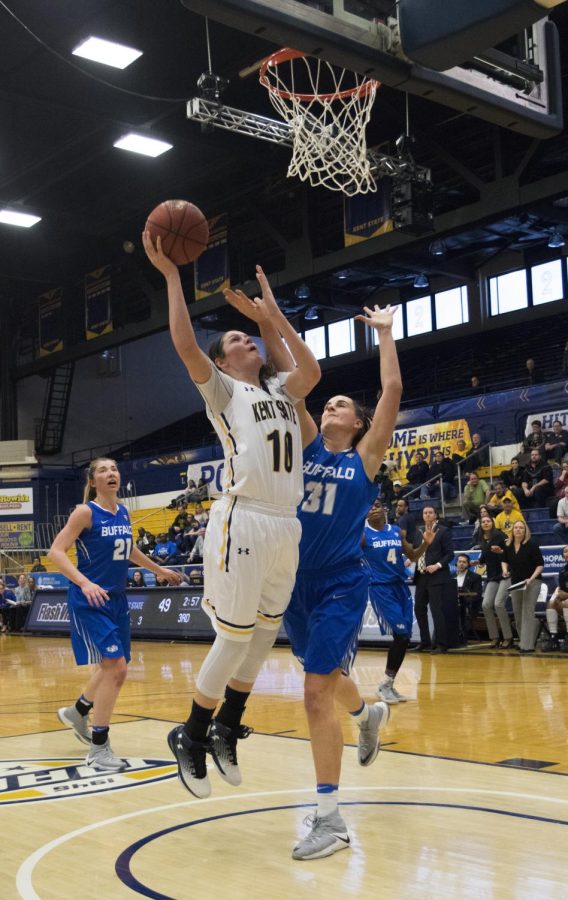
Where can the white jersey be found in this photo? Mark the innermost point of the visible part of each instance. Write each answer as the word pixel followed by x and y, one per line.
pixel 260 434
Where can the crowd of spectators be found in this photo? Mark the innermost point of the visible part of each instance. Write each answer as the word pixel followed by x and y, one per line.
pixel 182 543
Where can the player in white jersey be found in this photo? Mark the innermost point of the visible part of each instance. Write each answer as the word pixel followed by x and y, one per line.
pixel 251 542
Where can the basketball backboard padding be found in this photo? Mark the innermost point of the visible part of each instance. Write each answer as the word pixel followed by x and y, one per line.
pixel 440 35
pixel 362 49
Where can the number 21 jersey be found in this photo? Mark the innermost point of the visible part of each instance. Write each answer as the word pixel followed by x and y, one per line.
pixel 103 550
pixel 337 497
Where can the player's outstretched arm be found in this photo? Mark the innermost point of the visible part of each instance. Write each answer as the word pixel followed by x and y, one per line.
pixel 183 336
pixel 80 519
pixel 140 559
pixel 373 445
pixel 266 313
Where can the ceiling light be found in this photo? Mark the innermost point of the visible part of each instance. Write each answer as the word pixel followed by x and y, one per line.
pixel 22 220
pixel 556 240
pixel 107 52
pixel 421 281
pixel 311 314
pixel 138 143
pixel 342 274
pixel 302 292
pixel 438 248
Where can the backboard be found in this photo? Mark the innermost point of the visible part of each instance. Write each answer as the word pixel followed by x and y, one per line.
pixel 516 85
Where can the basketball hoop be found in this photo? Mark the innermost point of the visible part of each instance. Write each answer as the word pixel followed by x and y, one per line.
pixel 328 109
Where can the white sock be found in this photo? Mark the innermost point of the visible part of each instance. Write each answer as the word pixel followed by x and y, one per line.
pixel 361 715
pixel 552 621
pixel 388 681
pixel 327 803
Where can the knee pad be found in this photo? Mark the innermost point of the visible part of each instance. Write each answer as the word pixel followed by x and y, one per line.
pixel 258 649
pixel 219 665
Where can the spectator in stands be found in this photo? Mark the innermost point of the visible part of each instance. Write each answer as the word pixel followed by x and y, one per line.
pixel 447 470
pixel 407 523
pixel 196 555
pixel 461 453
pixel 201 514
pixel 506 519
pixel 17 614
pixel 384 484
pixel 537 483
pixel 7 602
pixel 178 524
pixel 191 492
pixel 477 533
pixel 559 484
pixel 558 603
pixel 137 579
pixel 469 593
pixel 165 550
pixel 533 376
pixel 202 489
pixel 561 526
pixel 435 588
pixel 473 496
pixel 194 577
pixel 523 560
pixel 417 473
pixel 514 478
pixel 143 541
pixel 492 545
pixel 533 441
pixel 32 585
pixel 37 565
pixel 478 456
pixel 151 543
pixel 475 384
pixel 398 492
pixel 556 442
pixel 497 495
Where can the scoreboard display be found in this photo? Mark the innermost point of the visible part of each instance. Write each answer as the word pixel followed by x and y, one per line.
pixel 174 612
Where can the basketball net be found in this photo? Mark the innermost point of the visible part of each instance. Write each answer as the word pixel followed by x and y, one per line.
pixel 328 110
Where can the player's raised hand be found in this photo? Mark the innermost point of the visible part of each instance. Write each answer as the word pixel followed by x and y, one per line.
pixel 258 309
pixel 380 319
pixel 95 594
pixel 170 576
pixel 156 255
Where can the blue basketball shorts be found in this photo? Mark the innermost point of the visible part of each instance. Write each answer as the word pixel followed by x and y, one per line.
pixel 393 607
pixel 324 618
pixel 98 632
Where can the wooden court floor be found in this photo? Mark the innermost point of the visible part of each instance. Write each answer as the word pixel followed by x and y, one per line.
pixel 468 797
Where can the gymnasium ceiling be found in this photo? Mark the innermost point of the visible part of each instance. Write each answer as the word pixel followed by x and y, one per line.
pixel 59 122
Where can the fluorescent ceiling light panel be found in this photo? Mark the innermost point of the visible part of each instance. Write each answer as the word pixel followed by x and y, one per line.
pixel 107 52
pixel 22 220
pixel 138 143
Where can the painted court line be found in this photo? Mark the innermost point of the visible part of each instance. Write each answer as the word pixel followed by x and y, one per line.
pixel 24 878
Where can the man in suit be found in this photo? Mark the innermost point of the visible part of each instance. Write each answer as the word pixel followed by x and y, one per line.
pixel 435 587
pixel 469 592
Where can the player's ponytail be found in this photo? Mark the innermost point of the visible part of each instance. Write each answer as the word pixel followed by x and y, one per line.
pixel 366 417
pixel 90 491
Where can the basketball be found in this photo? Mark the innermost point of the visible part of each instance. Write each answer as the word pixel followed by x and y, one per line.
pixel 183 229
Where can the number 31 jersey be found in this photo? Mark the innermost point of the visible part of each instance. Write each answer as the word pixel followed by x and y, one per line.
pixel 103 550
pixel 337 497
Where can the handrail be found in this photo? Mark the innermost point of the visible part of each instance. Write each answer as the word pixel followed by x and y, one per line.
pixel 424 483
pixel 489 444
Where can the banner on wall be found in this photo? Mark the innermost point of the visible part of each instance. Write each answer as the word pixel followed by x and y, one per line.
pixel 367 215
pixel 16 501
pixel 50 322
pixel 211 270
pixel 98 309
pixel 546 419
pixel 16 535
pixel 442 436
pixel 211 472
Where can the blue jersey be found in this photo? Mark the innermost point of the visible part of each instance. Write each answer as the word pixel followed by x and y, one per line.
pixel 383 552
pixel 337 497
pixel 103 551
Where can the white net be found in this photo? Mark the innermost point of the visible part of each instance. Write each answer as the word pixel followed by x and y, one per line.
pixel 328 110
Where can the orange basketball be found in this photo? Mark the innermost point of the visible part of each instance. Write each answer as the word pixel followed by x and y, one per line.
pixel 183 229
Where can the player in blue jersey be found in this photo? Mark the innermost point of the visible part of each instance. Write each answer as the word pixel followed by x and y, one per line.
pixel 97 604
pixel 329 599
pixel 383 548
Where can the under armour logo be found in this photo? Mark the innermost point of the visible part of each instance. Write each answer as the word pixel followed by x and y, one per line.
pixel 244 550
pixel 251 389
